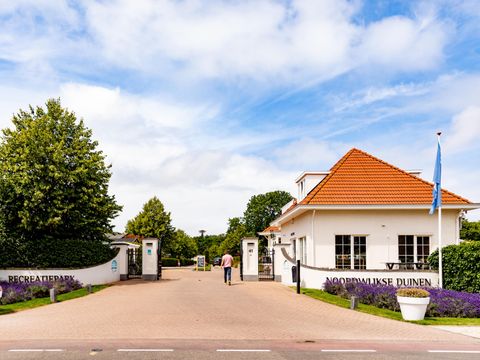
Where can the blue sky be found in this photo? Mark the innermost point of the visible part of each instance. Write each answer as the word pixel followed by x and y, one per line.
pixel 206 103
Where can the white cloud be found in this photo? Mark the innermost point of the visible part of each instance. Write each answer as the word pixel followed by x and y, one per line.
pixel 404 44
pixel 465 130
pixel 307 154
pixel 270 42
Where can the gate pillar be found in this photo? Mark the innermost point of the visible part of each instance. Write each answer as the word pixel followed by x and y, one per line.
pixel 250 258
pixel 122 265
pixel 150 259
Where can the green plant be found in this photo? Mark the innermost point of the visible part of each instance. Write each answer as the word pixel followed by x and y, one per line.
pixel 461 266
pixel 413 292
pixel 55 253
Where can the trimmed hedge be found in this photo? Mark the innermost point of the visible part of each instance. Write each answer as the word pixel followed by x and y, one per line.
pixel 49 253
pixel 174 262
pixel 461 266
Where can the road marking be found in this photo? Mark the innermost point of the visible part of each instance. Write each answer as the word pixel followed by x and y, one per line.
pixel 35 350
pixel 243 350
pixel 348 350
pixel 455 351
pixel 145 350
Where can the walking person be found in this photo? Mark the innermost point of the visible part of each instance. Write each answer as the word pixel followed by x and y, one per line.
pixel 227 261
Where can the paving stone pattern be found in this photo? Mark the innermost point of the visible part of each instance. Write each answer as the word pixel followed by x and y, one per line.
pixel 191 305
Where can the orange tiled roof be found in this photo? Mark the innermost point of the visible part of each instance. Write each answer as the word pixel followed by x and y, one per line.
pixel 271 229
pixel 359 178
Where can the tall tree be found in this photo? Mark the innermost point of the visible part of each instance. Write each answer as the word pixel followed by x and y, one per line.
pixel 470 230
pixel 182 245
pixel 236 231
pixel 53 179
pixel 263 209
pixel 153 221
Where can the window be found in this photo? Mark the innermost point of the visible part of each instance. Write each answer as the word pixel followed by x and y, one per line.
pixel 423 248
pixel 413 248
pixel 302 251
pixel 405 248
pixel 360 252
pixel 343 252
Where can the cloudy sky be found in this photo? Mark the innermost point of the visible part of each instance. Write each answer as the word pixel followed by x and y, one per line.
pixel 205 103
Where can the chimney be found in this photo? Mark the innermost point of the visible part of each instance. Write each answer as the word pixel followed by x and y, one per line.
pixel 307 181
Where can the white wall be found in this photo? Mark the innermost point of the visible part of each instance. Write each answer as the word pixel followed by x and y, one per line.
pixel 101 274
pixel 315 278
pixel 381 227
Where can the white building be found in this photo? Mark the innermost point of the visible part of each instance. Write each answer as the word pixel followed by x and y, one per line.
pixel 365 214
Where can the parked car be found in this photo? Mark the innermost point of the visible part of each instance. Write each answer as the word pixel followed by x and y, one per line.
pixel 217 261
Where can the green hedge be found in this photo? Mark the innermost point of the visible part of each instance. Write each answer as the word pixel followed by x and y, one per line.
pixel 48 253
pixel 174 262
pixel 461 266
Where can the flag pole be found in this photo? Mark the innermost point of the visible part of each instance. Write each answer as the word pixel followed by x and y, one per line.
pixel 440 257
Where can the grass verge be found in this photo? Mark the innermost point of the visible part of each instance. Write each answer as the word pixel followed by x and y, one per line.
pixel 30 304
pixel 373 310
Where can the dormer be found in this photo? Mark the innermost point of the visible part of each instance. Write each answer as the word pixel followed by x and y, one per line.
pixel 307 181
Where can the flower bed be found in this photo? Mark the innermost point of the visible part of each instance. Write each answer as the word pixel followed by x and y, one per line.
pixel 17 292
pixel 443 303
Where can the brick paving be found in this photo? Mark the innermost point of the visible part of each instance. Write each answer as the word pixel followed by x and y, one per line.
pixel 190 305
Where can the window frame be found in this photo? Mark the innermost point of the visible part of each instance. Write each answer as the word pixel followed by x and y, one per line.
pixel 349 260
pixel 415 256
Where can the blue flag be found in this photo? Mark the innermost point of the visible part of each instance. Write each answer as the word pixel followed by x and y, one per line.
pixel 437 179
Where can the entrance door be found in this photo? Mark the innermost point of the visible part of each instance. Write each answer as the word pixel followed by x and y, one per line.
pixel 266 268
pixel 135 263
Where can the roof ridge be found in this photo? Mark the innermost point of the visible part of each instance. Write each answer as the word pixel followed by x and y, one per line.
pixel 322 183
pixel 412 176
pixel 333 170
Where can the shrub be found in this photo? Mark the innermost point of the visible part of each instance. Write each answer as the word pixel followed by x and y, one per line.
pixel 443 303
pixel 17 292
pixel 51 253
pixel 461 266
pixel 413 292
pixel 187 262
pixel 169 262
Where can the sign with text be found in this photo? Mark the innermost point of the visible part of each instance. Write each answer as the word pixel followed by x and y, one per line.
pixel 201 261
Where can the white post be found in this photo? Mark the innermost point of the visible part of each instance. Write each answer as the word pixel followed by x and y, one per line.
pixel 440 261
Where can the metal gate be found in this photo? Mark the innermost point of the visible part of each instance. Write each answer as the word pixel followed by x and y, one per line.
pixel 135 263
pixel 266 268
pixel 159 261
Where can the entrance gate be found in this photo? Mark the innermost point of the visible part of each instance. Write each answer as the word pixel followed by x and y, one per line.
pixel 266 268
pixel 135 263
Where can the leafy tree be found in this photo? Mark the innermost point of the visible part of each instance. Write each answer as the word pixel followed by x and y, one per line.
pixel 153 221
pixel 236 231
pixel 470 230
pixel 263 209
pixel 208 245
pixel 182 246
pixel 53 179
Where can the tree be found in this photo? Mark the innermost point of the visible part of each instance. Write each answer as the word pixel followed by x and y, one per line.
pixel 209 245
pixel 153 221
pixel 470 230
pixel 182 246
pixel 53 179
pixel 236 231
pixel 263 209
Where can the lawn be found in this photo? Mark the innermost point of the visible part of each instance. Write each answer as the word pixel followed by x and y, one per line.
pixel 372 310
pixel 30 304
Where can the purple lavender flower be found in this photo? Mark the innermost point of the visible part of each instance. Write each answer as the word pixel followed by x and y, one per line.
pixel 443 303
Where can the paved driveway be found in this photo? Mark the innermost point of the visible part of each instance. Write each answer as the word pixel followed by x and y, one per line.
pixel 190 305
